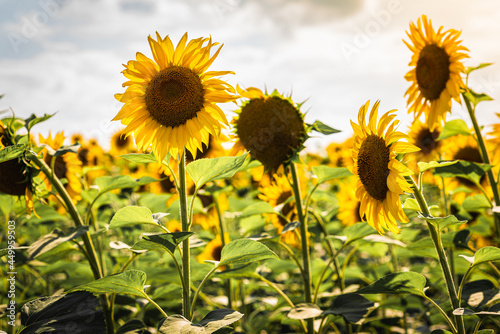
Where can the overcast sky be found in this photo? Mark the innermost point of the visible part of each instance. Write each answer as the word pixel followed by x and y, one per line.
pixel 67 55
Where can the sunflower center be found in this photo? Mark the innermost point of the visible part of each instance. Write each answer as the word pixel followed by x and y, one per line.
pixel 174 96
pixel 433 71
pixel 122 141
pixel 427 140
pixel 271 129
pixel 373 166
pixel 13 180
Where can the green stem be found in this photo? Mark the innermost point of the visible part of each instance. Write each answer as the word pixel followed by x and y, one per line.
pixel 306 259
pixel 292 256
pixel 443 313
pixel 486 159
pixel 443 260
pixel 282 294
pixel 222 226
pixel 478 325
pixel 87 240
pixel 186 265
pixel 197 292
pixel 157 306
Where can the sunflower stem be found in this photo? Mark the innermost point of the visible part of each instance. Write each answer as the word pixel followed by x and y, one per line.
pixel 222 226
pixel 87 240
pixel 443 260
pixel 306 258
pixel 186 265
pixel 486 160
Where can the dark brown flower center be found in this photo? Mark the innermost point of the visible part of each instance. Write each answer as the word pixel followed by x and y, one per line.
pixel 121 141
pixel 471 154
pixel 271 129
pixel 217 252
pixel 433 71
pixel 13 180
pixel 426 140
pixel 174 96
pixel 373 166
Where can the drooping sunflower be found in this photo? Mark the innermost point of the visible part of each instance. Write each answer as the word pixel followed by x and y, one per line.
pixel 380 175
pixel 270 126
pixel 66 166
pixel 170 100
pixel 15 175
pixel 436 73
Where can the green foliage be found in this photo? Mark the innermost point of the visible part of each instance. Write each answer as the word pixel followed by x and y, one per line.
pixel 203 171
pixel 396 283
pixel 243 251
pixel 454 127
pixel 212 322
pixel 325 173
pixel 130 282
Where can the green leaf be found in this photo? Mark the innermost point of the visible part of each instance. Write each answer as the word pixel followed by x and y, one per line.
pixel 108 183
pixel 473 68
pixel 67 149
pixel 132 215
pixel 12 152
pixel 356 232
pixel 423 166
pixel 476 203
pixel 164 241
pixel 479 293
pixel 243 251
pixel 143 158
pixel 322 128
pixel 130 282
pixel 355 308
pixel 465 169
pixel 256 209
pixel 453 128
pixel 464 311
pixel 475 98
pixel 325 173
pixel 58 314
pixel 486 254
pixel 441 222
pixel 395 283
pixel 246 271
pixel 304 311
pixel 53 239
pixel 212 322
pixel 441 331
pixel 411 204
pixel 33 119
pixel 203 171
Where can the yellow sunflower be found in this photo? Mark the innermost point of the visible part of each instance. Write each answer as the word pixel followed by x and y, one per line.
pixel 349 205
pixel 213 149
pixel 213 249
pixel 380 175
pixel 494 142
pixel 120 144
pixel 270 126
pixel 65 166
pixel 339 154
pixel 436 73
pixel 170 100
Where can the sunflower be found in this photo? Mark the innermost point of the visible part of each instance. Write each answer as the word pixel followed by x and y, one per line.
pixel 65 166
pixel 464 148
pixel 15 175
pixel 170 102
pixel 494 141
pixel 270 126
pixel 213 149
pixel 436 76
pixel 339 154
pixel 120 144
pixel 278 192
pixel 380 175
pixel 349 205
pixel 213 250
pixel 91 156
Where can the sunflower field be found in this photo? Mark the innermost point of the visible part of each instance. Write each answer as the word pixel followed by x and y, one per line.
pixel 193 223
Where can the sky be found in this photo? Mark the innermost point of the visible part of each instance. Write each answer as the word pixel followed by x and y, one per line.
pixel 66 56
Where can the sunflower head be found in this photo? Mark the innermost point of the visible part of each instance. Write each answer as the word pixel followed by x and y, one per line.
pixel 170 100
pixel 436 74
pixel 380 175
pixel 270 126
pixel 120 144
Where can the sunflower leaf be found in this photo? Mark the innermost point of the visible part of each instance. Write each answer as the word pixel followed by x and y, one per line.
pixel 423 166
pixel 67 149
pixel 256 209
pixel 476 203
pixel 132 215
pixel 464 169
pixel 12 152
pixel 143 158
pixel 475 98
pixel 441 222
pixel 130 282
pixel 453 128
pixel 203 171
pixel 243 251
pixel 395 283
pixel 482 65
pixel 33 119
pixel 486 254
pixel 108 183
pixel 163 241
pixel 321 127
pixel 325 173
pixel 211 323
pixel 355 308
